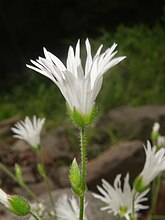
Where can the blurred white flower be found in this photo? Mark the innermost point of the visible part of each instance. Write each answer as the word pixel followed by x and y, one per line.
pixel 79 87
pixel 120 202
pixel 154 164
pixel 39 209
pixel 29 131
pixel 67 208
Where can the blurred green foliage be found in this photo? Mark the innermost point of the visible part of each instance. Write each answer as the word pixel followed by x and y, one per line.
pixel 138 80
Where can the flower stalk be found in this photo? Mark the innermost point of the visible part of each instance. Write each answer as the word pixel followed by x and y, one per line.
pixel 32 214
pixel 42 172
pixel 83 144
pixel 155 190
pixel 158 141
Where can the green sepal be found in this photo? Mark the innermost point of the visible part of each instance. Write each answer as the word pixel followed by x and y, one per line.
pixel 18 205
pixel 80 120
pixel 75 178
pixel 154 136
pixel 37 147
pixel 138 184
pixel 91 116
pixel 41 170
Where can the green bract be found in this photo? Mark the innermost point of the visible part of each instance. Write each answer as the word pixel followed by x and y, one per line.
pixel 80 120
pixel 154 136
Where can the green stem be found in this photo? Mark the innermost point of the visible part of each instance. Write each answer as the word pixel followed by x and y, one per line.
pixel 49 192
pixel 133 207
pixel 40 159
pixel 83 158
pixel 83 170
pixel 22 184
pixel 81 207
pixel 155 191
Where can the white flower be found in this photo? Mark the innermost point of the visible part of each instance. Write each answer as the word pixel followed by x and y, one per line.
pixel 154 164
pixel 67 208
pixel 79 87
pixel 119 201
pixel 4 198
pixel 29 131
pixel 156 127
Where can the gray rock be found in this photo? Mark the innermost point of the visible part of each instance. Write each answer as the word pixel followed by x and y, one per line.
pixel 133 123
pixel 122 158
pixel 56 146
pixel 20 146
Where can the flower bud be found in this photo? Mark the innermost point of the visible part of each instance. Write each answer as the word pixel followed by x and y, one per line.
pixel 18 172
pixel 138 184
pixel 75 178
pixel 155 132
pixel 41 170
pixel 18 205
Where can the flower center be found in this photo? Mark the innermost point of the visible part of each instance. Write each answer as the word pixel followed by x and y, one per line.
pixel 123 210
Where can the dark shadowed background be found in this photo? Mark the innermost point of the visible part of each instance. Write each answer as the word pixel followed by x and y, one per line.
pixel 28 25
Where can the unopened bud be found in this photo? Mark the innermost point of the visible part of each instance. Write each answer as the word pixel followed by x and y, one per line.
pixel 41 169
pixel 139 185
pixel 15 204
pixel 18 205
pixel 18 172
pixel 75 178
pixel 155 132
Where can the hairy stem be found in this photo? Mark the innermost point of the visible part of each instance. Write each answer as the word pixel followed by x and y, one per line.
pixel 83 144
pixel 155 191
pixel 40 159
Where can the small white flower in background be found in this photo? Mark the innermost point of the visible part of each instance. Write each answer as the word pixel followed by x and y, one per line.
pixel 29 131
pixel 120 201
pixel 161 141
pixel 154 164
pixel 39 209
pixel 79 87
pixel 67 208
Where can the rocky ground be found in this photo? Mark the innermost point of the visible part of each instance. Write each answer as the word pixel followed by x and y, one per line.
pixel 115 147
